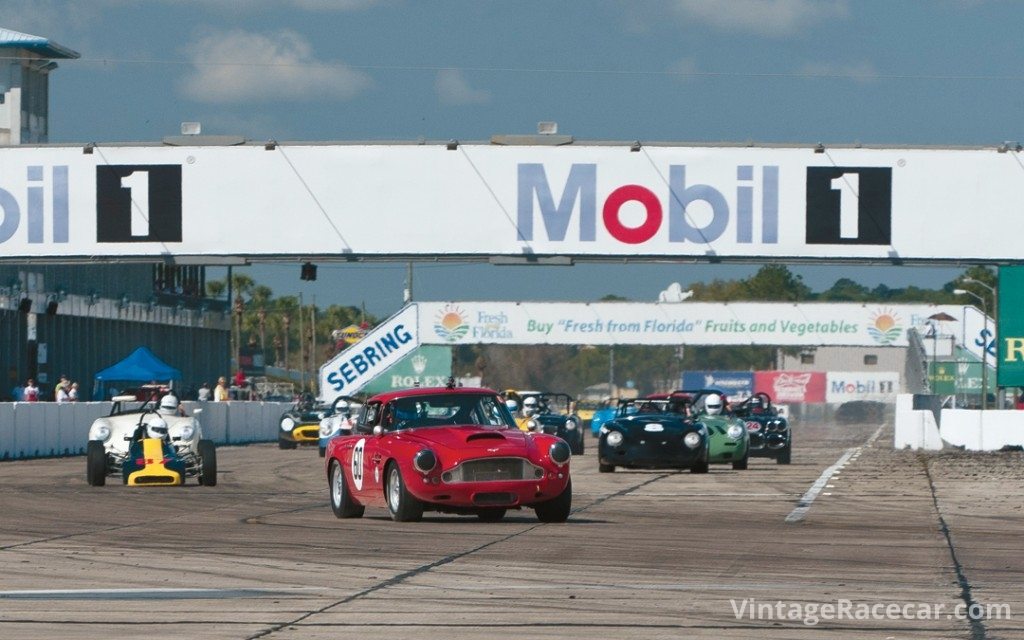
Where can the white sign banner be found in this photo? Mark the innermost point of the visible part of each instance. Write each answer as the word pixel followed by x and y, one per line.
pixel 697 323
pixel 384 346
pixel 494 200
pixel 844 386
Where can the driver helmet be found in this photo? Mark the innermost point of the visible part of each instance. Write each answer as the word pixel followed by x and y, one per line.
pixel 530 406
pixel 169 405
pixel 156 427
pixel 713 404
pixel 756 404
pixel 342 407
pixel 512 405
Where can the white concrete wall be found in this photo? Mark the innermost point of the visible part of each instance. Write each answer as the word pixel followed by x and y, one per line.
pixel 46 429
pixel 915 428
pixel 973 430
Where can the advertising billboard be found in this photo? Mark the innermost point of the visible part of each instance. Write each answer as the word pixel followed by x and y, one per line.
pixel 1010 367
pixel 697 323
pixel 523 201
pixel 736 385
pixel 796 387
pixel 427 366
pixel 845 386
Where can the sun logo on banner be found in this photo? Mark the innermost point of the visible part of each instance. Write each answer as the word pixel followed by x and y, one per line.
pixel 885 326
pixel 450 323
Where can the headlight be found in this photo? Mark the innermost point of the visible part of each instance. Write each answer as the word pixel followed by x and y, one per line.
pixel 325 427
pixel 570 425
pixel 692 439
pixel 321 415
pixel 533 425
pixel 287 424
pixel 424 460
pixel 614 438
pixel 100 431
pixel 559 452
pixel 187 432
pixel 734 431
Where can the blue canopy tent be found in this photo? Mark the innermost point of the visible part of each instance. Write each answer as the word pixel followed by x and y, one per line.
pixel 140 366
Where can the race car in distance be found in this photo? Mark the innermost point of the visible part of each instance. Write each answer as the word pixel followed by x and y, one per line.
pixel 729 442
pixel 601 416
pixel 149 444
pixel 301 423
pixel 653 434
pixel 770 434
pixel 344 412
pixel 551 413
pixel 449 449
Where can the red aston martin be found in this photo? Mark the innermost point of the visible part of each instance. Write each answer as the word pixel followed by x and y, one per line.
pixel 448 449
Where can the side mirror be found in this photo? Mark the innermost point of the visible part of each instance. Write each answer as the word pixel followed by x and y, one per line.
pixel 378 430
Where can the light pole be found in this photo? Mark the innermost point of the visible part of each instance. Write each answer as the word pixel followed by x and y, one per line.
pixel 994 291
pixel 984 347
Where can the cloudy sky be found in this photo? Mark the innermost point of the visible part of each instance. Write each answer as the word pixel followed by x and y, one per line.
pixel 941 72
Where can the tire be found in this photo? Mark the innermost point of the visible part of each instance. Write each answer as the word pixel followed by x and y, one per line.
pixel 404 507
pixel 578 451
pixel 323 452
pixel 286 444
pixel 701 467
pixel 491 515
pixel 208 458
pixel 605 468
pixel 784 457
pixel 96 464
pixel 342 503
pixel 741 465
pixel 557 509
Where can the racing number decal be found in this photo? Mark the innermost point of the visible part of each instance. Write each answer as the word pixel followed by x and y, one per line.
pixel 357 464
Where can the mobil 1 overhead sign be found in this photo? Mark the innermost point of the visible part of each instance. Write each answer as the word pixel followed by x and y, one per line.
pixel 486 200
pixel 704 323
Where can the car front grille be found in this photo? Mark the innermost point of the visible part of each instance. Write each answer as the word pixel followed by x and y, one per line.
pixel 493 470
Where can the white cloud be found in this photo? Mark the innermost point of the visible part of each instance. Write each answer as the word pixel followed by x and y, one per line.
pixel 452 88
pixel 862 72
pixel 238 66
pixel 775 18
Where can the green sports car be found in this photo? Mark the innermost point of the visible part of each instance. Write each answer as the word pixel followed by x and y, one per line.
pixel 728 440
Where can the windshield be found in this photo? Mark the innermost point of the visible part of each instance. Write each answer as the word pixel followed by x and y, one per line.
pixel 645 407
pixel 417 412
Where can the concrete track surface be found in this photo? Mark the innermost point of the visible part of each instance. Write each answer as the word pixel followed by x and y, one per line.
pixel 645 554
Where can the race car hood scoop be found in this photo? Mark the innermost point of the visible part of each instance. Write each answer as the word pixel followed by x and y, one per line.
pixel 506 441
pixel 484 435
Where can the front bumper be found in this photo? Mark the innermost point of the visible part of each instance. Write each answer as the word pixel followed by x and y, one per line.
pixel 769 445
pixel 462 496
pixel 727 450
pixel 650 455
pixel 306 433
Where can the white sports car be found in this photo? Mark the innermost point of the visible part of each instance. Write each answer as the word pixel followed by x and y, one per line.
pixel 344 413
pixel 148 447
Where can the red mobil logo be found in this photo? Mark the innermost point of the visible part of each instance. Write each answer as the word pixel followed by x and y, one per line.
pixel 579 193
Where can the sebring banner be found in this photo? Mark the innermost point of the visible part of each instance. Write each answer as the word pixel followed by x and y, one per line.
pixel 347 201
pixel 698 323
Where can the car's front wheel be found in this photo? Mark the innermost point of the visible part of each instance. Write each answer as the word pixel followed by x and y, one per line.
pixel 208 460
pixel 96 464
pixel 404 506
pixel 702 466
pixel 286 444
pixel 556 510
pixel 605 468
pixel 740 465
pixel 341 499
pixel 784 457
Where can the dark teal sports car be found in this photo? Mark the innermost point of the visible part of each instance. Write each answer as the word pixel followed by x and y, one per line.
pixel 653 434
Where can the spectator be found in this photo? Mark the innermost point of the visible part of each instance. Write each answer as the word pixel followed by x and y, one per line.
pixel 220 394
pixel 31 392
pixel 240 378
pixel 61 394
pixel 73 392
pixel 204 392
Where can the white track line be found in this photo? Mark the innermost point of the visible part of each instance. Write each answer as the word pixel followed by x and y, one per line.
pixel 800 512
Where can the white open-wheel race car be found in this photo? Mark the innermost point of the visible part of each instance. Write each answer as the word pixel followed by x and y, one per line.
pixel 149 444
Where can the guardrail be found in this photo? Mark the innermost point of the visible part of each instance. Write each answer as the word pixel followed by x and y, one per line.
pixel 47 429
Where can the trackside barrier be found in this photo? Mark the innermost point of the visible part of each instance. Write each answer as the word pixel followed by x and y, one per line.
pixel 47 429
pixel 989 430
